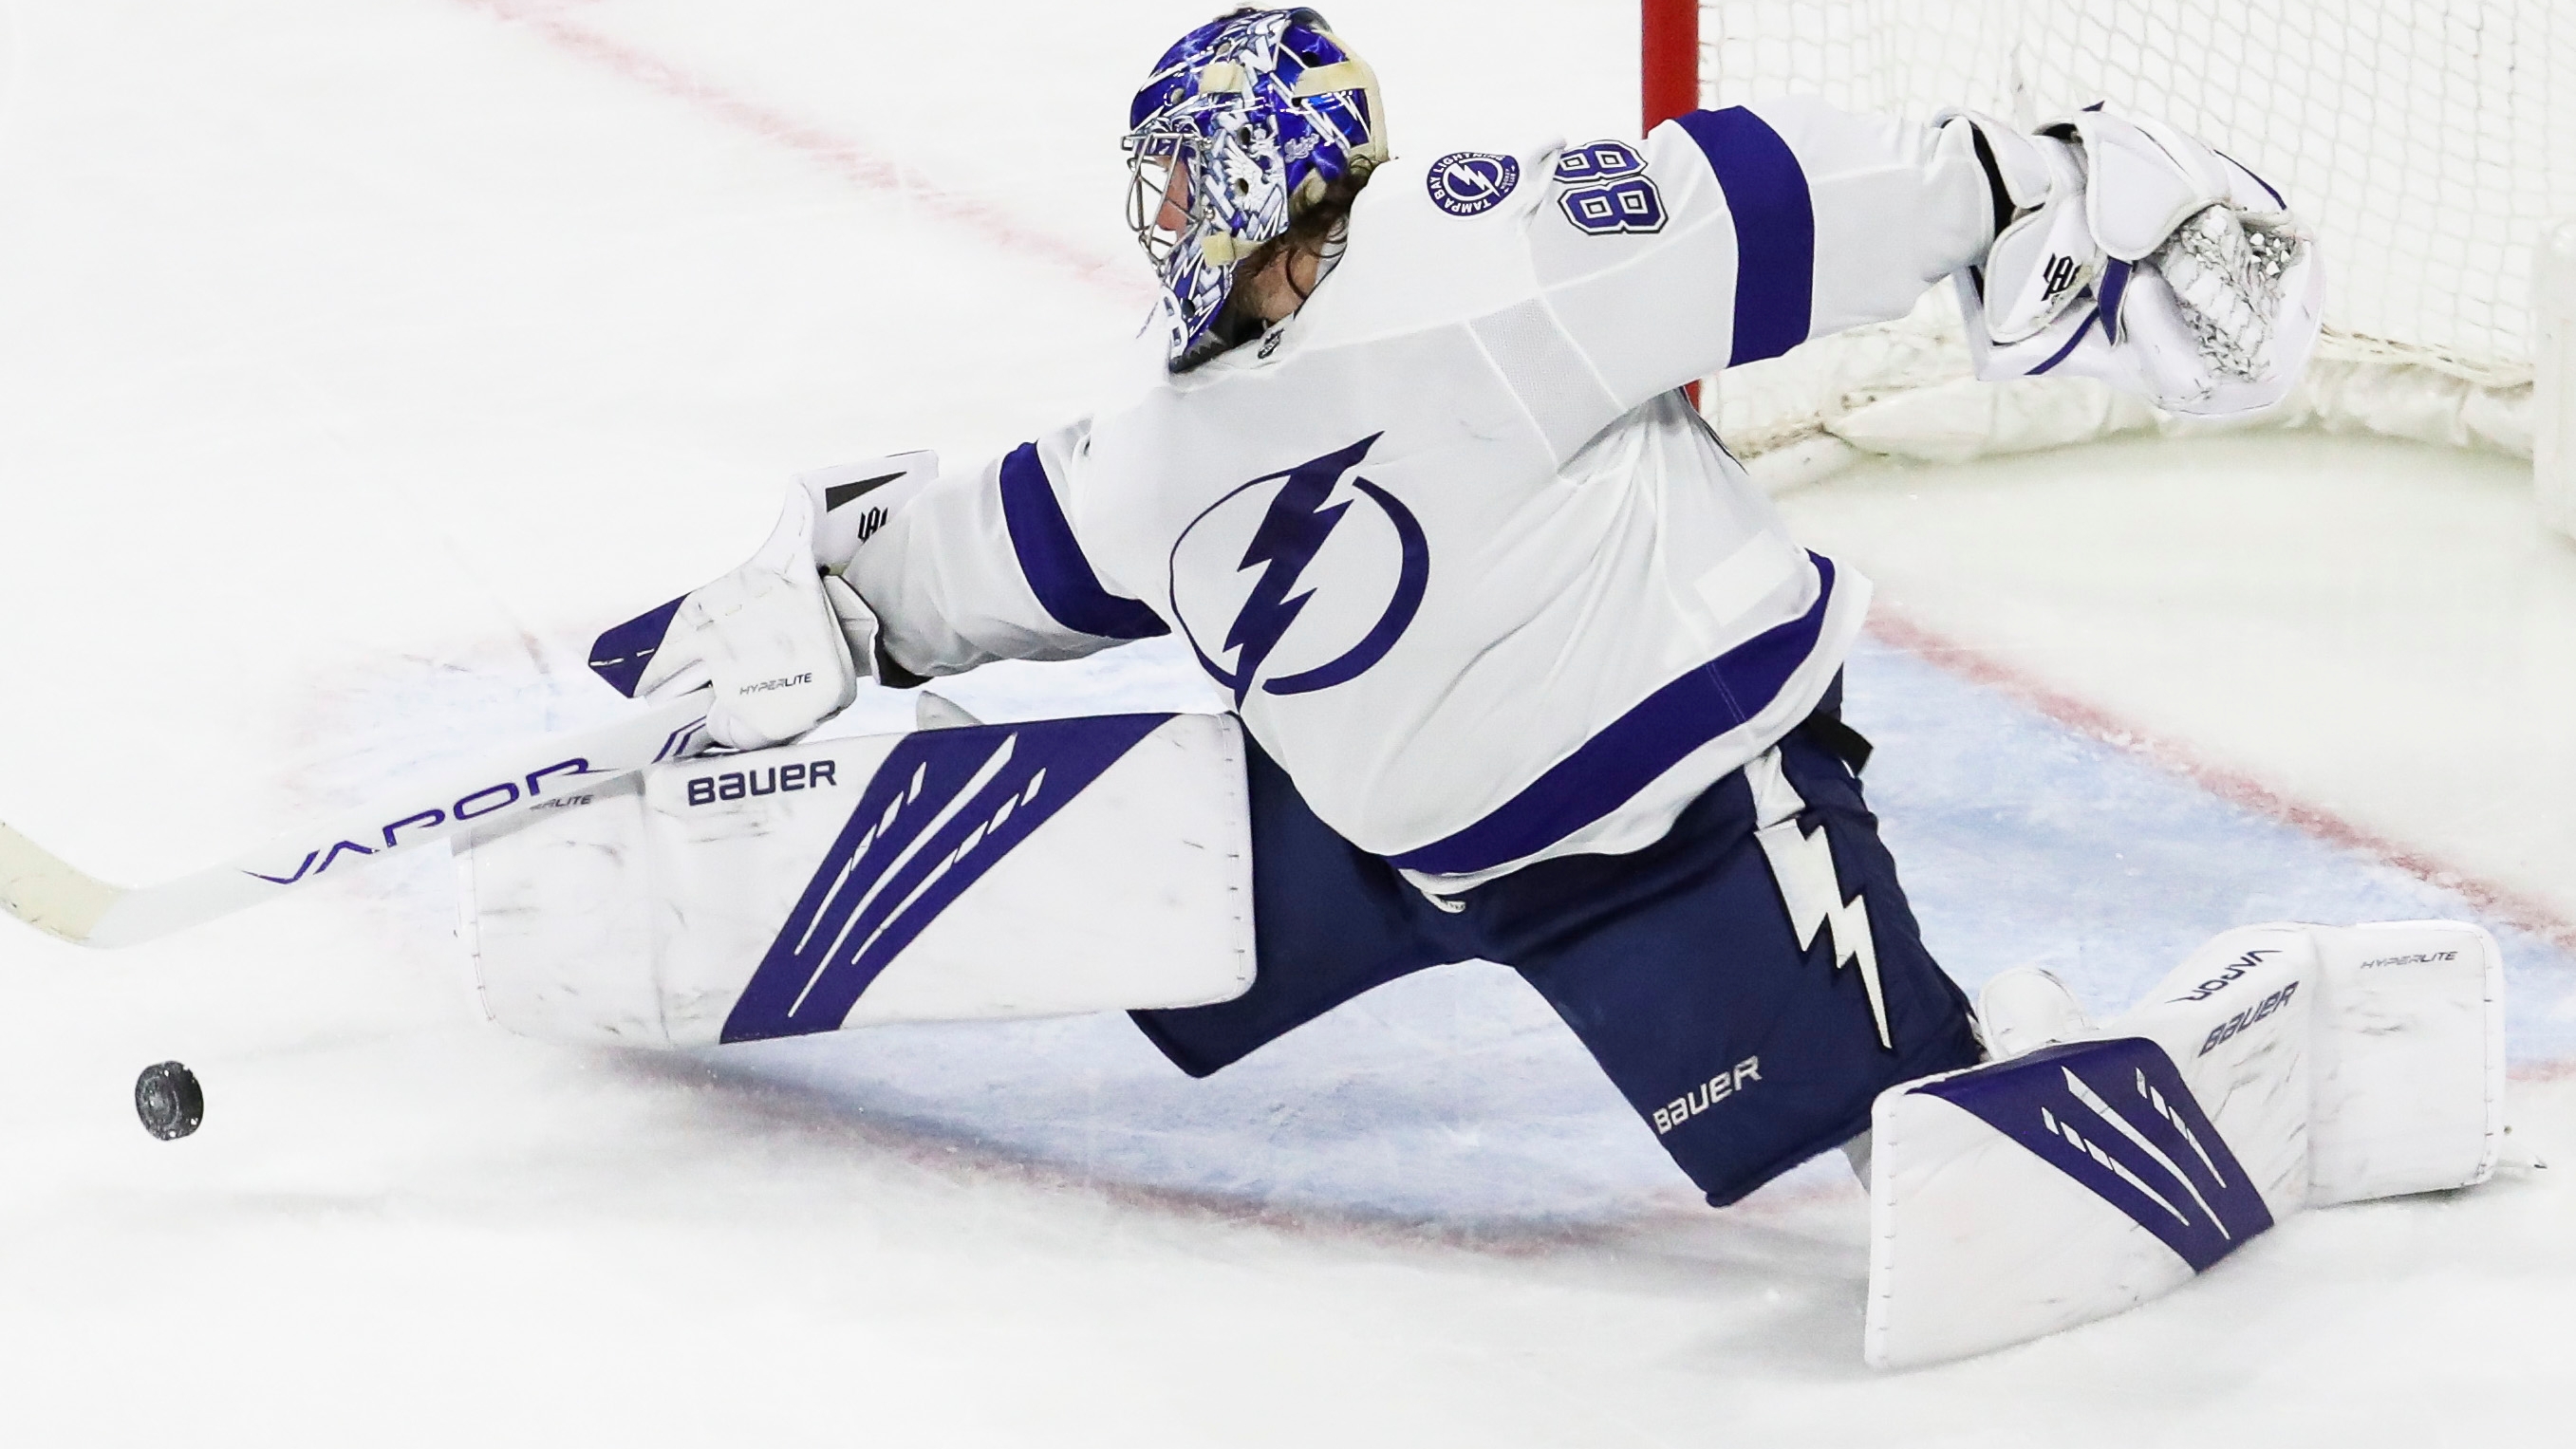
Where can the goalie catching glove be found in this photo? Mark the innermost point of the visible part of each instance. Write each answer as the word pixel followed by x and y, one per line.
pixel 781 641
pixel 2129 252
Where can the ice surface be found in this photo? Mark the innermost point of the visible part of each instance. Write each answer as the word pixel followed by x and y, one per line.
pixel 361 361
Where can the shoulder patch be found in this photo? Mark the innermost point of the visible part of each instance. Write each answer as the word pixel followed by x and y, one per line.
pixel 1464 183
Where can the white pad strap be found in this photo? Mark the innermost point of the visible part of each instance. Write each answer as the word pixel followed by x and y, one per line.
pixel 2025 1008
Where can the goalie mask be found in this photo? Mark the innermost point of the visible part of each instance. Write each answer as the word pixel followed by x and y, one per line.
pixel 1244 123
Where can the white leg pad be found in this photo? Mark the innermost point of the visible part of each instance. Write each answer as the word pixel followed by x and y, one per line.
pixel 2278 1067
pixel 1040 869
pixel 2409 1060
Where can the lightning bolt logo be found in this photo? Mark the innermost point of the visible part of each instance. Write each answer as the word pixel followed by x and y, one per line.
pixel 1802 863
pixel 1294 526
pixel 1286 542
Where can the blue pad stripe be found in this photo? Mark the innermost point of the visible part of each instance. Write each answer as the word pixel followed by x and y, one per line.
pixel 2116 1117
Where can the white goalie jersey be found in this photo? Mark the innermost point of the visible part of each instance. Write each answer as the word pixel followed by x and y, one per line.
pixel 1449 539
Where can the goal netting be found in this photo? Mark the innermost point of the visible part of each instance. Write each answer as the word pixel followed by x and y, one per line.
pixel 2427 141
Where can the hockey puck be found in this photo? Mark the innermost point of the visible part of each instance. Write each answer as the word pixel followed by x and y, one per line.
pixel 169 1101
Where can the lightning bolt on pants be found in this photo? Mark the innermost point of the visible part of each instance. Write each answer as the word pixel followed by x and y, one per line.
pixel 1726 1001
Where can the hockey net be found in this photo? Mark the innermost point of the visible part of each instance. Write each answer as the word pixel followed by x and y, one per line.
pixel 2426 141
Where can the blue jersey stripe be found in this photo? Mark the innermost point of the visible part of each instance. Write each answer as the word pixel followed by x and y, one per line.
pixel 1631 751
pixel 1053 563
pixel 1775 229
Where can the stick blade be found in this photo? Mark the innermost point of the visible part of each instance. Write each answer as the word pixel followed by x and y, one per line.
pixel 39 889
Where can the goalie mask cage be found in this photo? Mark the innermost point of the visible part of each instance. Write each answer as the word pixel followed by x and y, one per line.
pixel 2428 143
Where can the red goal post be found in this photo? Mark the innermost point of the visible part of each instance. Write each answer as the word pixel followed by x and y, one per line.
pixel 1669 77
pixel 2430 143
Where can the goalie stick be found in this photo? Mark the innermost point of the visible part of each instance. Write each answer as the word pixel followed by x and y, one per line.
pixel 39 888
pixel 853 502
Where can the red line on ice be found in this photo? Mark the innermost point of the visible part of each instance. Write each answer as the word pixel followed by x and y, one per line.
pixel 2238 788
pixel 855 162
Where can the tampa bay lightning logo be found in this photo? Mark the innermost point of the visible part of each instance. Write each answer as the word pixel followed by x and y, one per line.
pixel 1464 183
pixel 1240 564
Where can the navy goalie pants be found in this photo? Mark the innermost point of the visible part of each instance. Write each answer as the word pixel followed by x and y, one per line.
pixel 1677 966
